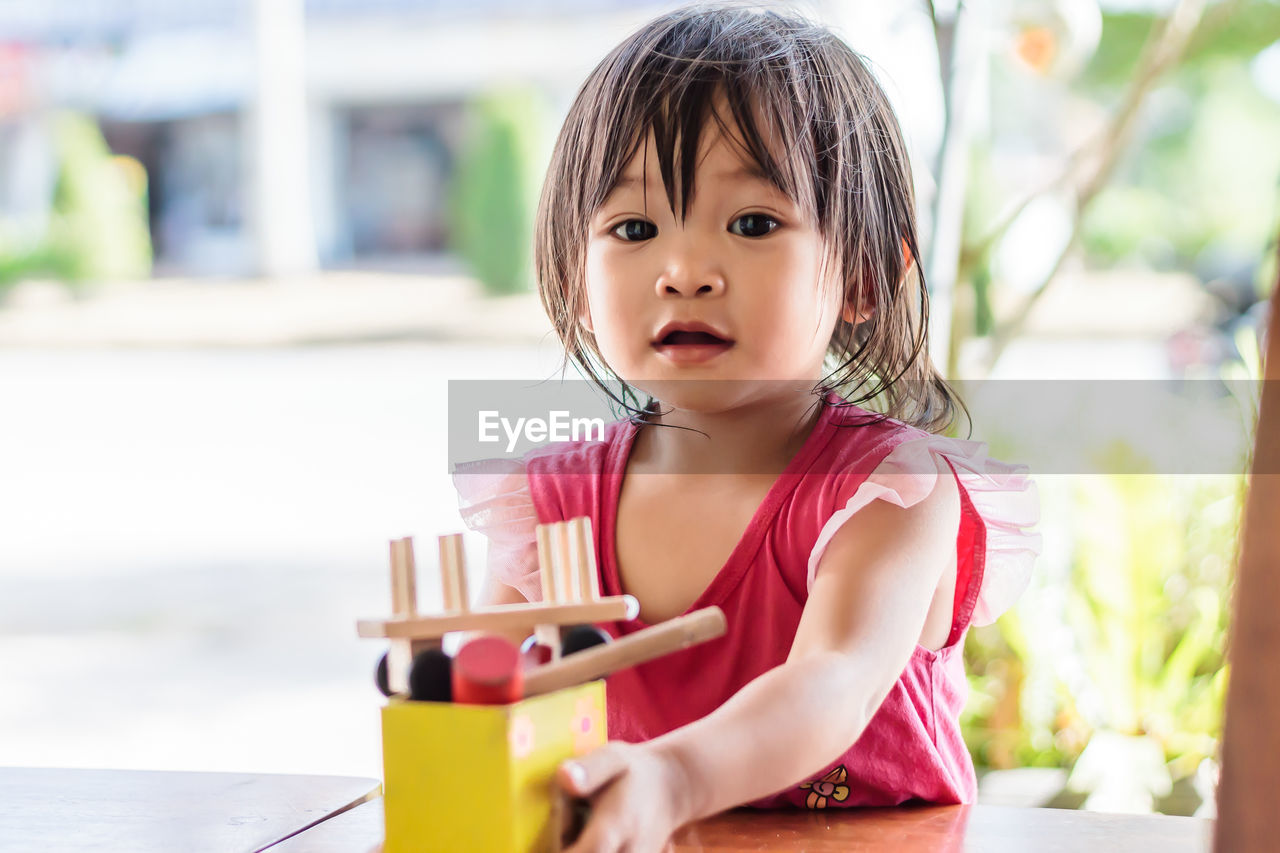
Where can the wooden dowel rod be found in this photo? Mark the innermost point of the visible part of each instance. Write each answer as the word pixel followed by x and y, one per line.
pixel 559 562
pixel 404 605
pixel 588 578
pixel 503 617
pixel 453 578
pixel 404 586
pixel 549 636
pixel 673 635
pixel 546 567
pixel 571 557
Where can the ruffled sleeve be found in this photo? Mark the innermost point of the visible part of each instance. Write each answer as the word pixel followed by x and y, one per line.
pixel 494 499
pixel 1003 495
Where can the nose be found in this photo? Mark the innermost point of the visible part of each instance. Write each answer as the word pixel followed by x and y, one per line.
pixel 690 274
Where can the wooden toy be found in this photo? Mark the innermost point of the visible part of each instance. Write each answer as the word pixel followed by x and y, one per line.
pixel 534 653
pixel 582 637
pixel 487 671
pixel 431 678
pixel 655 641
pixel 478 773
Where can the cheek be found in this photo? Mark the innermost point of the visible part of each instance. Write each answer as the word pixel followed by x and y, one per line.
pixel 792 291
pixel 598 278
pixel 608 301
pixel 600 295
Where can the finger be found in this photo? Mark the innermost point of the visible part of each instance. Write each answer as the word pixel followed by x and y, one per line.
pixel 585 776
pixel 604 831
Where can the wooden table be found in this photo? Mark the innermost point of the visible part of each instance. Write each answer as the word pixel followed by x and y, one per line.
pixel 932 829
pixel 137 811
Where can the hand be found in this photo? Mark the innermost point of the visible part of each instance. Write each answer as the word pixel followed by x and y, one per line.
pixel 636 795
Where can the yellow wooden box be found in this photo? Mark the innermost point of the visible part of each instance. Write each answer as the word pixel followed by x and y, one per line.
pixel 480 778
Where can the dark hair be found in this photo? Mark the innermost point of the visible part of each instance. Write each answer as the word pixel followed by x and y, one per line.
pixel 846 167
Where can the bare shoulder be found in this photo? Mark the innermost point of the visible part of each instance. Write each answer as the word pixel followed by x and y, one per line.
pixel 887 575
pixel 937 514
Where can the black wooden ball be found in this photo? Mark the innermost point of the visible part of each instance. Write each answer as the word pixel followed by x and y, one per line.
pixel 581 637
pixel 431 676
pixel 380 677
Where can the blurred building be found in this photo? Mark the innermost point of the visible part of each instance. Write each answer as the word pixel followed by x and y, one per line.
pixel 381 93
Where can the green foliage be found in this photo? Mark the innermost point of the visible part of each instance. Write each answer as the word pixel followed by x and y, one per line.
pixel 20 259
pixel 1123 629
pixel 1201 170
pixel 1204 175
pixel 494 191
pixel 1135 641
pixel 1116 57
pixel 1195 182
pixel 1128 223
pixel 1250 27
pixel 98 227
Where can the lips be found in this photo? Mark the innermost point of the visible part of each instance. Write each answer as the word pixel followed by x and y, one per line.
pixel 690 334
pixel 691 343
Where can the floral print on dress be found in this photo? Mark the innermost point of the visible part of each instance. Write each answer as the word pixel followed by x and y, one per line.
pixel 829 787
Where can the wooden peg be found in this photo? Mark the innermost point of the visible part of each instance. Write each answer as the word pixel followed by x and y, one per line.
pixel 555 563
pixel 570 558
pixel 588 577
pixel 404 605
pixel 404 582
pixel 555 542
pixel 546 567
pixel 548 635
pixel 453 575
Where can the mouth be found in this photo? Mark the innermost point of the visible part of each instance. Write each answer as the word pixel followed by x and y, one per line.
pixel 692 343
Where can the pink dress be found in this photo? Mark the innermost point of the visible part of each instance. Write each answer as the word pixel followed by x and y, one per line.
pixel 912 748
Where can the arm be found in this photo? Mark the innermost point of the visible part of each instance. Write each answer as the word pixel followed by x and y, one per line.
pixel 863 618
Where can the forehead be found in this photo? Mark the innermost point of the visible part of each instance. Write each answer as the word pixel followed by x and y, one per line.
pixel 719 157
pixel 716 168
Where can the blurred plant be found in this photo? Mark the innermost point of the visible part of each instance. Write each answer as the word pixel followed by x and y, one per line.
pixel 98 229
pixel 1132 643
pixel 495 190
pixel 1113 664
pixel 1177 88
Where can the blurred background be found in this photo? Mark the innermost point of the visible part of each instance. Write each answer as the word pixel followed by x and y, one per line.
pixel 245 244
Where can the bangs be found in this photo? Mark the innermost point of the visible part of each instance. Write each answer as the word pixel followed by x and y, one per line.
pixel 673 86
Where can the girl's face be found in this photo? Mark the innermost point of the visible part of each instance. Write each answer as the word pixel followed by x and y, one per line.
pixel 731 293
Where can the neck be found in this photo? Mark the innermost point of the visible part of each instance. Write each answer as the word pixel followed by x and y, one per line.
pixel 757 437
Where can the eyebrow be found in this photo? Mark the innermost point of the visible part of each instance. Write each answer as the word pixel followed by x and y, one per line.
pixel 748 172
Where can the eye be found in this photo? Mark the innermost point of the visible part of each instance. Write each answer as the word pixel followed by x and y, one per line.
pixel 753 225
pixel 635 230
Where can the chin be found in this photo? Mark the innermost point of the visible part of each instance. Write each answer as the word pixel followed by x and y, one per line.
pixel 710 396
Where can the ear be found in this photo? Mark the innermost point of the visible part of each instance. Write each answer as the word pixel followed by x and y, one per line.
pixel 849 315
pixel 584 317
pixel 907 260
